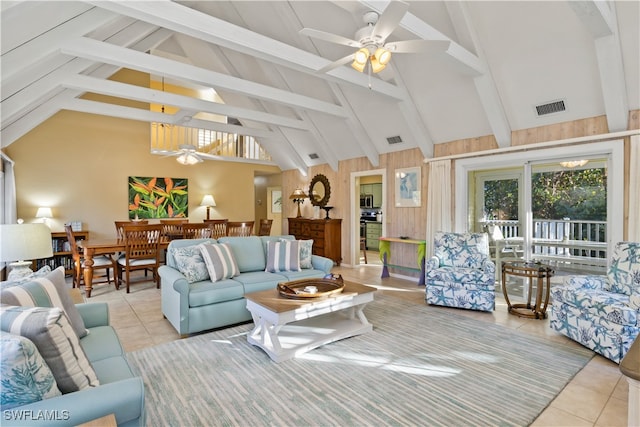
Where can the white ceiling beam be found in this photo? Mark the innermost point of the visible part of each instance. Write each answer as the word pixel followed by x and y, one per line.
pixel 123 90
pixel 191 22
pixel 115 55
pixel 214 57
pixel 601 20
pixel 485 85
pixel 138 114
pixel 16 128
pixel 35 50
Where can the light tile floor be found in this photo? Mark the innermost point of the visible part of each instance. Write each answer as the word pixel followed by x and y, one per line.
pixel 596 396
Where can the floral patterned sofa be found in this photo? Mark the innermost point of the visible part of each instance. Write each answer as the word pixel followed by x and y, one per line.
pixel 461 273
pixel 602 312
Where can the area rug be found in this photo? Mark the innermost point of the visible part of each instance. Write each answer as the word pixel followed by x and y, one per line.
pixel 421 365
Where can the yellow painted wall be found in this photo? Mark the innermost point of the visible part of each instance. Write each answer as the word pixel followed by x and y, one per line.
pixel 79 165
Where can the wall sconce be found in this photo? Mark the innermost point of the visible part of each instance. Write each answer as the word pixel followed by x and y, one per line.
pixel 298 197
pixel 44 213
pixel 209 202
pixel 20 242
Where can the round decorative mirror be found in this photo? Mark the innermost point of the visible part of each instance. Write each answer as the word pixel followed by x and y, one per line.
pixel 319 191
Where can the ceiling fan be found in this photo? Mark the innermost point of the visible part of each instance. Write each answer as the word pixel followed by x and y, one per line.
pixel 370 40
pixel 187 155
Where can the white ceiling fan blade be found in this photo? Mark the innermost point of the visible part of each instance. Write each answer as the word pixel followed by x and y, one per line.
pixel 336 64
pixel 329 37
pixel 389 20
pixel 417 46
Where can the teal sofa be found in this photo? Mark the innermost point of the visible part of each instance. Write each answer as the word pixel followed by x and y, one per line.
pixel 120 392
pixel 204 305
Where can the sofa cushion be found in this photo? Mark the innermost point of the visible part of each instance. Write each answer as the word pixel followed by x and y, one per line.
pixel 26 378
pixel 190 263
pixel 101 343
pixel 259 280
pixel 249 252
pixel 283 256
pixel 220 261
pixel 51 332
pixel 48 291
pixel 206 292
pixel 460 275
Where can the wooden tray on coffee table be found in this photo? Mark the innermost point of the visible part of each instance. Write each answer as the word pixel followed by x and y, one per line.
pixel 326 287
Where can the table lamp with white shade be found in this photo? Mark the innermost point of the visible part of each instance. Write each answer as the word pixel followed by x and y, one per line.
pixel 22 242
pixel 44 213
pixel 209 202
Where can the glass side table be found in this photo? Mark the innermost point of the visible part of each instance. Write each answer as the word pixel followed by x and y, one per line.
pixel 529 271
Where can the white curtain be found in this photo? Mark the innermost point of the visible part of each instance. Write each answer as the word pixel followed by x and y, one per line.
pixel 634 190
pixel 8 196
pixel 439 191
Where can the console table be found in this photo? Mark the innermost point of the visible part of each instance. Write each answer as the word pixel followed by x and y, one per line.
pixel 385 253
pixel 326 235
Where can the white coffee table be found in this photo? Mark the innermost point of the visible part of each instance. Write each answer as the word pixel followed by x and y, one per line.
pixel 287 327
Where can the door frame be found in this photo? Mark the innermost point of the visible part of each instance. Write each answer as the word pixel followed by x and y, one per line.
pixel 354 196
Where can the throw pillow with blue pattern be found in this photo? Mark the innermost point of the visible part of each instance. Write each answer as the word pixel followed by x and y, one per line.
pixel 26 378
pixel 190 263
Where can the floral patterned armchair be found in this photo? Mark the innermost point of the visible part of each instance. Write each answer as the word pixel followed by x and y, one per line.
pixel 461 273
pixel 602 312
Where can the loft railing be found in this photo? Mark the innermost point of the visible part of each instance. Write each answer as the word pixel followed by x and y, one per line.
pixel 167 138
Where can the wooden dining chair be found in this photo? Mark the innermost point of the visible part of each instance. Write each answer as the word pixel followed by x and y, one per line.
pixel 102 262
pixel 240 228
pixel 264 228
pixel 172 228
pixel 218 227
pixel 142 251
pixel 119 224
pixel 199 230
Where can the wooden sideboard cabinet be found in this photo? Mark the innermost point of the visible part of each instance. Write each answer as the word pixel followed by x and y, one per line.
pixel 326 235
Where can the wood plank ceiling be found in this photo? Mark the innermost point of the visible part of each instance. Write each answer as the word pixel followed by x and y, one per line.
pixel 502 60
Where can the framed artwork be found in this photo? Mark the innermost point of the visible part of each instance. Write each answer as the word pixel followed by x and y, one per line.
pixel 276 201
pixel 408 187
pixel 158 197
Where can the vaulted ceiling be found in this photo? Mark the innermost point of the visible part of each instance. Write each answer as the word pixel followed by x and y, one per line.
pixel 502 60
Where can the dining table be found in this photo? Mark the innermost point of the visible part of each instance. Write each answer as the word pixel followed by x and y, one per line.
pixel 93 247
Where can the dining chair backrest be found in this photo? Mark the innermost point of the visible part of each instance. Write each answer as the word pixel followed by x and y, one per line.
pixel 199 230
pixel 142 241
pixel 75 255
pixel 172 228
pixel 218 227
pixel 240 228
pixel 265 227
pixel 119 225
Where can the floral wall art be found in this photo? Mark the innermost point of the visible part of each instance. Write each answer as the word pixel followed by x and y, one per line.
pixel 158 197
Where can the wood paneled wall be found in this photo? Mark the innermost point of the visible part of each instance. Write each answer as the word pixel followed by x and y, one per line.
pixel 412 221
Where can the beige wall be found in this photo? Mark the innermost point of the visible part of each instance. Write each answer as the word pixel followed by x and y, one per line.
pixel 79 165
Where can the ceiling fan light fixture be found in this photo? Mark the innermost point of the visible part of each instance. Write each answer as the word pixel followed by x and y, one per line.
pixel 361 56
pixel 382 55
pixel 376 66
pixel 358 66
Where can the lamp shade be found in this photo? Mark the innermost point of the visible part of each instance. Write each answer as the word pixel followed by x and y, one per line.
pixel 208 200
pixel 298 194
pixel 19 242
pixel 44 213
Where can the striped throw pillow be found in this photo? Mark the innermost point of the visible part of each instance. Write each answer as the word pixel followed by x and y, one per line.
pixel 58 344
pixel 219 260
pixel 48 291
pixel 283 256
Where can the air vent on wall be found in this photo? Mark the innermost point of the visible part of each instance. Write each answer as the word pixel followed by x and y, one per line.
pixel 550 108
pixel 394 140
pixel 313 156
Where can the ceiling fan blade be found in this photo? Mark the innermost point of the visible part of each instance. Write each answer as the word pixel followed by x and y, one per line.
pixel 329 37
pixel 336 64
pixel 418 46
pixel 389 20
